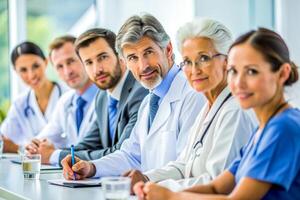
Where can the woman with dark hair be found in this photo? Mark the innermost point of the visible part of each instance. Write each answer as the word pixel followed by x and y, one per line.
pixel 30 112
pixel 259 67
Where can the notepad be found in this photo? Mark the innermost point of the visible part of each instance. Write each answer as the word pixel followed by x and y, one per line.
pixel 76 183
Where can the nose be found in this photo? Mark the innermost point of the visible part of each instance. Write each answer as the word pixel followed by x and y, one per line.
pixel 195 69
pixel 143 63
pixel 239 81
pixel 31 74
pixel 67 70
pixel 97 68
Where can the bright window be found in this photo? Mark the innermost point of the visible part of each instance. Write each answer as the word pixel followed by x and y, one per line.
pixel 4 59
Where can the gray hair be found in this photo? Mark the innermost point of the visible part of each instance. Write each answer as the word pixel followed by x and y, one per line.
pixel 137 27
pixel 219 34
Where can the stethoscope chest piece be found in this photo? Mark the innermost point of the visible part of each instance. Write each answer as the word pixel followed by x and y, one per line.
pixel 197 150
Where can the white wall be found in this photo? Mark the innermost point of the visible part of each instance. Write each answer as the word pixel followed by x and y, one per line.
pixel 171 13
pixel 287 24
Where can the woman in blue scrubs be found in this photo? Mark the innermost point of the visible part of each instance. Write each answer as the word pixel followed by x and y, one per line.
pixel 258 68
pixel 30 112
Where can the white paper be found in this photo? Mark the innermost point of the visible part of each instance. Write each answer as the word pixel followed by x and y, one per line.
pixel 87 181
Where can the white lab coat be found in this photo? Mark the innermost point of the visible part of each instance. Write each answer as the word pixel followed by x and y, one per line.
pixel 61 129
pixel 167 135
pixel 21 128
pixel 229 132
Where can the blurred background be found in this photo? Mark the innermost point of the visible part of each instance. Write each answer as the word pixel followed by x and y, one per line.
pixel 41 21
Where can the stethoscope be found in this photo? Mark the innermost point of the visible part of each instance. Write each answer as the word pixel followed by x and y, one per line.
pixel 199 144
pixel 29 108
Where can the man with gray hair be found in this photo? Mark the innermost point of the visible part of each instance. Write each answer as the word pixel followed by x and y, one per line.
pixel 165 115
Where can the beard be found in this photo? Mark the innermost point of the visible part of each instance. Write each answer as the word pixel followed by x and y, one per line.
pixel 154 81
pixel 113 78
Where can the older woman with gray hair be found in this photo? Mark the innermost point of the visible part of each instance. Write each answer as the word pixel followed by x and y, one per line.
pixel 222 127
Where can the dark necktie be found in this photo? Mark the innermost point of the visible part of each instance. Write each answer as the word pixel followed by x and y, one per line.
pixel 112 113
pixel 79 111
pixel 153 107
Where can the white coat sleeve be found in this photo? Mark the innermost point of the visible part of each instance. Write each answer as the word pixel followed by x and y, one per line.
pixel 120 161
pixel 55 127
pixel 12 126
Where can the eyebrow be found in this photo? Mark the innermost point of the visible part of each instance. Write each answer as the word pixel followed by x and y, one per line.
pixel 148 48
pixel 97 56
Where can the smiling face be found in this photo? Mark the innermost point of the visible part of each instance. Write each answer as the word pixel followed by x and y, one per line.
pixel 68 66
pixel 31 68
pixel 101 64
pixel 207 68
pixel 250 77
pixel 147 61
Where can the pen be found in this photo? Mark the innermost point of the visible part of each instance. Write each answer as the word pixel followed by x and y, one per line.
pixel 73 159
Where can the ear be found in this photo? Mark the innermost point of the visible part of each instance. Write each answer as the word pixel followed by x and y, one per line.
pixel 122 63
pixel 169 50
pixel 284 72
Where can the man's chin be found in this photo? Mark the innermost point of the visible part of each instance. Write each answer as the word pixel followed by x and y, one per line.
pixel 150 85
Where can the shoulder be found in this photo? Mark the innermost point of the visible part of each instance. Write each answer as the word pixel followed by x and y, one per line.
pixel 101 94
pixel 67 96
pixel 22 99
pixel 62 87
pixel 286 124
pixel 138 90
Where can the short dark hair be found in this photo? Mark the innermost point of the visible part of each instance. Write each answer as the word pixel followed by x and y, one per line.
pixel 89 36
pixel 273 48
pixel 60 41
pixel 26 48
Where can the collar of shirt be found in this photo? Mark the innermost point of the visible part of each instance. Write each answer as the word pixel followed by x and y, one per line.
pixel 116 93
pixel 88 94
pixel 162 89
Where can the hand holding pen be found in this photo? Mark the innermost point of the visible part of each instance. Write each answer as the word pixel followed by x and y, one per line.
pixel 77 169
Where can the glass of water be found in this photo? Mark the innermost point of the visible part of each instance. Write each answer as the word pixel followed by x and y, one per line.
pixel 116 188
pixel 31 165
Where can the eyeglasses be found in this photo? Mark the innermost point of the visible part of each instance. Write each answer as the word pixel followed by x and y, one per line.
pixel 203 60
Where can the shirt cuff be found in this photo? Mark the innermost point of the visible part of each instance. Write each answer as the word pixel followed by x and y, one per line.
pixel 54 158
pixel 97 174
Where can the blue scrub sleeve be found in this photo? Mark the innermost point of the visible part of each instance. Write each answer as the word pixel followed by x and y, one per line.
pixel 276 158
pixel 234 166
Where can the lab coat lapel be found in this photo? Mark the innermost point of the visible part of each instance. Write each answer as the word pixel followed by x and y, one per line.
pixel 216 106
pixel 165 107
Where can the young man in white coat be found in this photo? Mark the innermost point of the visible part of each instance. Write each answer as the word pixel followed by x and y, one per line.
pixel 165 115
pixel 74 112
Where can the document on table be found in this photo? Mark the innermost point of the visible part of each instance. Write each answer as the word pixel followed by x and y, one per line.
pixel 76 183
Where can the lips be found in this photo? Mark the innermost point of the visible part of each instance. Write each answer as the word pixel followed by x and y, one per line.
pixel 72 79
pixel 199 80
pixel 101 78
pixel 243 95
pixel 148 73
pixel 35 82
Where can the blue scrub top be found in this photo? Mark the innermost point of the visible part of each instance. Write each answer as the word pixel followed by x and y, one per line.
pixel 275 158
